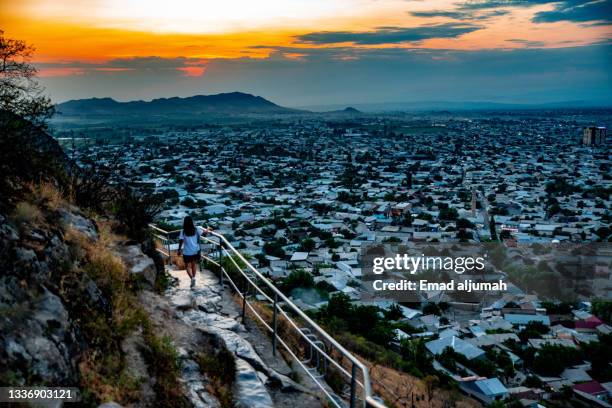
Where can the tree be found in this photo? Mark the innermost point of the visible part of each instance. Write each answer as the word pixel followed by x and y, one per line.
pixel 533 381
pixel 409 179
pixel 464 223
pixel 431 381
pixel 414 350
pixel 394 312
pixel 550 360
pixel 449 214
pixel 27 153
pixel 274 248
pixel 603 310
pixel 20 93
pixel 308 244
pixel 492 231
pixel 297 279
pixel 339 306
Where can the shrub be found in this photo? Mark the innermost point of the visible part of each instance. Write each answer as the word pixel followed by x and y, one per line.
pixel 163 362
pixel 135 211
pixel 220 368
pixel 308 245
pixel 25 214
pixel 104 378
pixel 229 265
pixel 108 271
pixel 48 194
pixel 297 279
pixel 91 185
pixel 335 380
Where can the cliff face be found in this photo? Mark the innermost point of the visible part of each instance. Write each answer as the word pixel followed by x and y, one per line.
pixel 38 340
pixel 61 301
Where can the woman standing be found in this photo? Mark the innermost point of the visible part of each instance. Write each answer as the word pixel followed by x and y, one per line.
pixel 189 246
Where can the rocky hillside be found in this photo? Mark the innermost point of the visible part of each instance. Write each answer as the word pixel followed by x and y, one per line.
pixel 70 285
pixel 68 303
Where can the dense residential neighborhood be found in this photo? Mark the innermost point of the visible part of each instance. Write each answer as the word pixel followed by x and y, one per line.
pixel 302 198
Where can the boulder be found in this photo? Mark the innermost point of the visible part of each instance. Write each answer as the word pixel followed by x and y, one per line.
pixel 38 340
pixel 73 218
pixel 110 404
pixel 138 263
pixel 252 392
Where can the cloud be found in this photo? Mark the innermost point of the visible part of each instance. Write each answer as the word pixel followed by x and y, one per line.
pixel 457 15
pixel 460 15
pixel 566 10
pixel 488 4
pixel 389 35
pixel 577 11
pixel 527 43
pixel 173 66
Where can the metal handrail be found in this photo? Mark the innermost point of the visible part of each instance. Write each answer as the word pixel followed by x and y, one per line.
pixel 225 245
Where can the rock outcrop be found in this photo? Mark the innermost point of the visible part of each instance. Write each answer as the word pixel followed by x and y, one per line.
pixel 44 294
pixel 138 264
pixel 38 341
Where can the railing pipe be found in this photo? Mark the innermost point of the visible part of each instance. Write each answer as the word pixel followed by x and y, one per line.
pixel 353 385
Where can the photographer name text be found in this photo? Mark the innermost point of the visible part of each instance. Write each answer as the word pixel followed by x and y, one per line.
pixel 425 285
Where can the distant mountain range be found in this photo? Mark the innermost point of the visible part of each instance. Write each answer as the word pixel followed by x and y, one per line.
pixel 220 104
pixel 242 105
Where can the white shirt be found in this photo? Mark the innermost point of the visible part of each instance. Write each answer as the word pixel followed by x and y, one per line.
pixel 191 244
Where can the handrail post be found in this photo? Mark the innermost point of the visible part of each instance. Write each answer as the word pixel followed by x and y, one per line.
pixel 353 384
pixel 244 295
pixel 274 326
pixel 169 249
pixel 221 271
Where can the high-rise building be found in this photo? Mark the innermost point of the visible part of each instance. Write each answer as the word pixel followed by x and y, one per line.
pixel 594 136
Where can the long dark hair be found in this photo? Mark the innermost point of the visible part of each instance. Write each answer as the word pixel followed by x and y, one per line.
pixel 189 229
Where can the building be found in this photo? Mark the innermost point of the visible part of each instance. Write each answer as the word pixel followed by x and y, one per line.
pixel 594 136
pixel 436 347
pixel 485 390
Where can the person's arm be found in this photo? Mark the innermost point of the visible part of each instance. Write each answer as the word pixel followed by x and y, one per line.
pixel 204 230
pixel 180 243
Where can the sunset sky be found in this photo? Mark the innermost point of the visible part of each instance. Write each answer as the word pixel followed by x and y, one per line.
pixel 318 52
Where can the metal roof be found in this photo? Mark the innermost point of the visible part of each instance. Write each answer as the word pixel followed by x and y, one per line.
pixel 460 346
pixel 491 386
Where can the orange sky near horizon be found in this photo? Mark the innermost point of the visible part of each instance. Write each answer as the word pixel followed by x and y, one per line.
pixel 96 32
